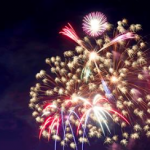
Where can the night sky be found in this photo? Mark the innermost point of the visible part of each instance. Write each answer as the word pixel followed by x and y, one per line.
pixel 29 33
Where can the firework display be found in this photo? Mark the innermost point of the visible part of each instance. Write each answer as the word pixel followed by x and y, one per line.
pixel 99 90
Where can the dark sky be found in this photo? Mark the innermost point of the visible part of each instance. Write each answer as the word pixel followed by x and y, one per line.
pixel 29 34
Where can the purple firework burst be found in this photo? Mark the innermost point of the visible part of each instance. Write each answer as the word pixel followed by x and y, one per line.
pixel 94 24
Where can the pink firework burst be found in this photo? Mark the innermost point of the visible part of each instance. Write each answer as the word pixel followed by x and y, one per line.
pixel 94 24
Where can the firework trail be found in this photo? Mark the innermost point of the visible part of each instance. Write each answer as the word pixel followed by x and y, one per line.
pixel 100 90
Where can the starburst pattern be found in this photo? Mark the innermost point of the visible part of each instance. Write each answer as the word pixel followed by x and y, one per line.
pixel 95 23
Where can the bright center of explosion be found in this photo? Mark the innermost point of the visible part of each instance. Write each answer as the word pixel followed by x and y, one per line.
pixel 94 25
pixel 93 56
pixel 114 79
pixel 74 97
